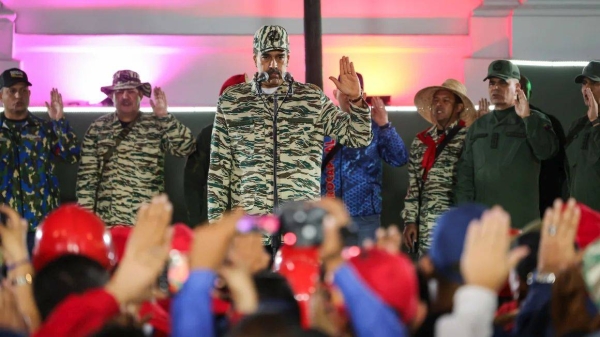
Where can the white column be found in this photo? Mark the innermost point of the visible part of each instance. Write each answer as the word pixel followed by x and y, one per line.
pixel 490 33
pixel 7 30
pixel 556 30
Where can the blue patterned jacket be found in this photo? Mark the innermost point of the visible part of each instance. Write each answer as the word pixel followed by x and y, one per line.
pixel 354 174
pixel 27 162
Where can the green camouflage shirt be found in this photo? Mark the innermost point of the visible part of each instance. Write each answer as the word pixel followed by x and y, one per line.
pixel 28 154
pixel 241 160
pixel 438 191
pixel 135 171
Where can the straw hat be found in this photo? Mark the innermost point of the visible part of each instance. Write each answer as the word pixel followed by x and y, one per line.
pixel 424 98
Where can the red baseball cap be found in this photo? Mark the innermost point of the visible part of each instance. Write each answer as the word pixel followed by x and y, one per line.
pixel 71 229
pixel 391 276
pixel 233 80
pixel 181 240
pixel 120 234
pixel 589 226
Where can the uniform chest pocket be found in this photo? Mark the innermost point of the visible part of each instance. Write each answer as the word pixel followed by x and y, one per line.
pixel 480 147
pixel 147 149
pixel 297 141
pixel 243 138
pixel 299 132
pixel 514 148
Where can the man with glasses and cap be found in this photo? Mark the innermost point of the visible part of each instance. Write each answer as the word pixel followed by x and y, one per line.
pixel 500 163
pixel 583 141
pixel 29 148
pixel 265 160
pixel 433 156
pixel 123 153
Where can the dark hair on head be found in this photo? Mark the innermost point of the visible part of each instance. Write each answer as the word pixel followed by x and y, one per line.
pixel 275 295
pixel 529 263
pixel 265 324
pixel 120 330
pixel 457 99
pixel 68 274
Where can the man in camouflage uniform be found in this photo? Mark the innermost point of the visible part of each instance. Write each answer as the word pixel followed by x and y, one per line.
pixel 243 140
pixel 500 164
pixel 434 154
pixel 123 153
pixel 29 147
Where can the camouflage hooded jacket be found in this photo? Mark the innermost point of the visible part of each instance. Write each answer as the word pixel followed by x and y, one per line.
pixel 135 171
pixel 241 159
pixel 27 161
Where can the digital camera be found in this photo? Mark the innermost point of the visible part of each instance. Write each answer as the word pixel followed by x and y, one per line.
pixel 302 225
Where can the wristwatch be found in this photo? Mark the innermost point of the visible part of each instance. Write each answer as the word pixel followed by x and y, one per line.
pixel 22 280
pixel 541 278
pixel 358 99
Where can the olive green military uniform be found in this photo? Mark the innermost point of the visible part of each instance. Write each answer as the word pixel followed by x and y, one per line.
pixel 500 164
pixel 583 151
pixel 584 160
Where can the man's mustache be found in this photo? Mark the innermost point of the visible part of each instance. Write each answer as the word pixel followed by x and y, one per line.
pixel 273 71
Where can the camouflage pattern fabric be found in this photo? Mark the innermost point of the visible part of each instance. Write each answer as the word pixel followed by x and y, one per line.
pixel 438 191
pixel 135 172
pixel 241 159
pixel 269 38
pixel 27 163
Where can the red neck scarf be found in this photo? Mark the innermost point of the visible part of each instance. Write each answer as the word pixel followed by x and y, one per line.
pixel 429 155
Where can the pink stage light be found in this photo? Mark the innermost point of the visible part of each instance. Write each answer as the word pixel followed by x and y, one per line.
pixel 191 69
pixel 79 65
pixel 273 9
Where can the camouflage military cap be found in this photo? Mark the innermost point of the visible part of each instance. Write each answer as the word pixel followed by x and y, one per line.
pixel 503 69
pixel 269 38
pixel 591 71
